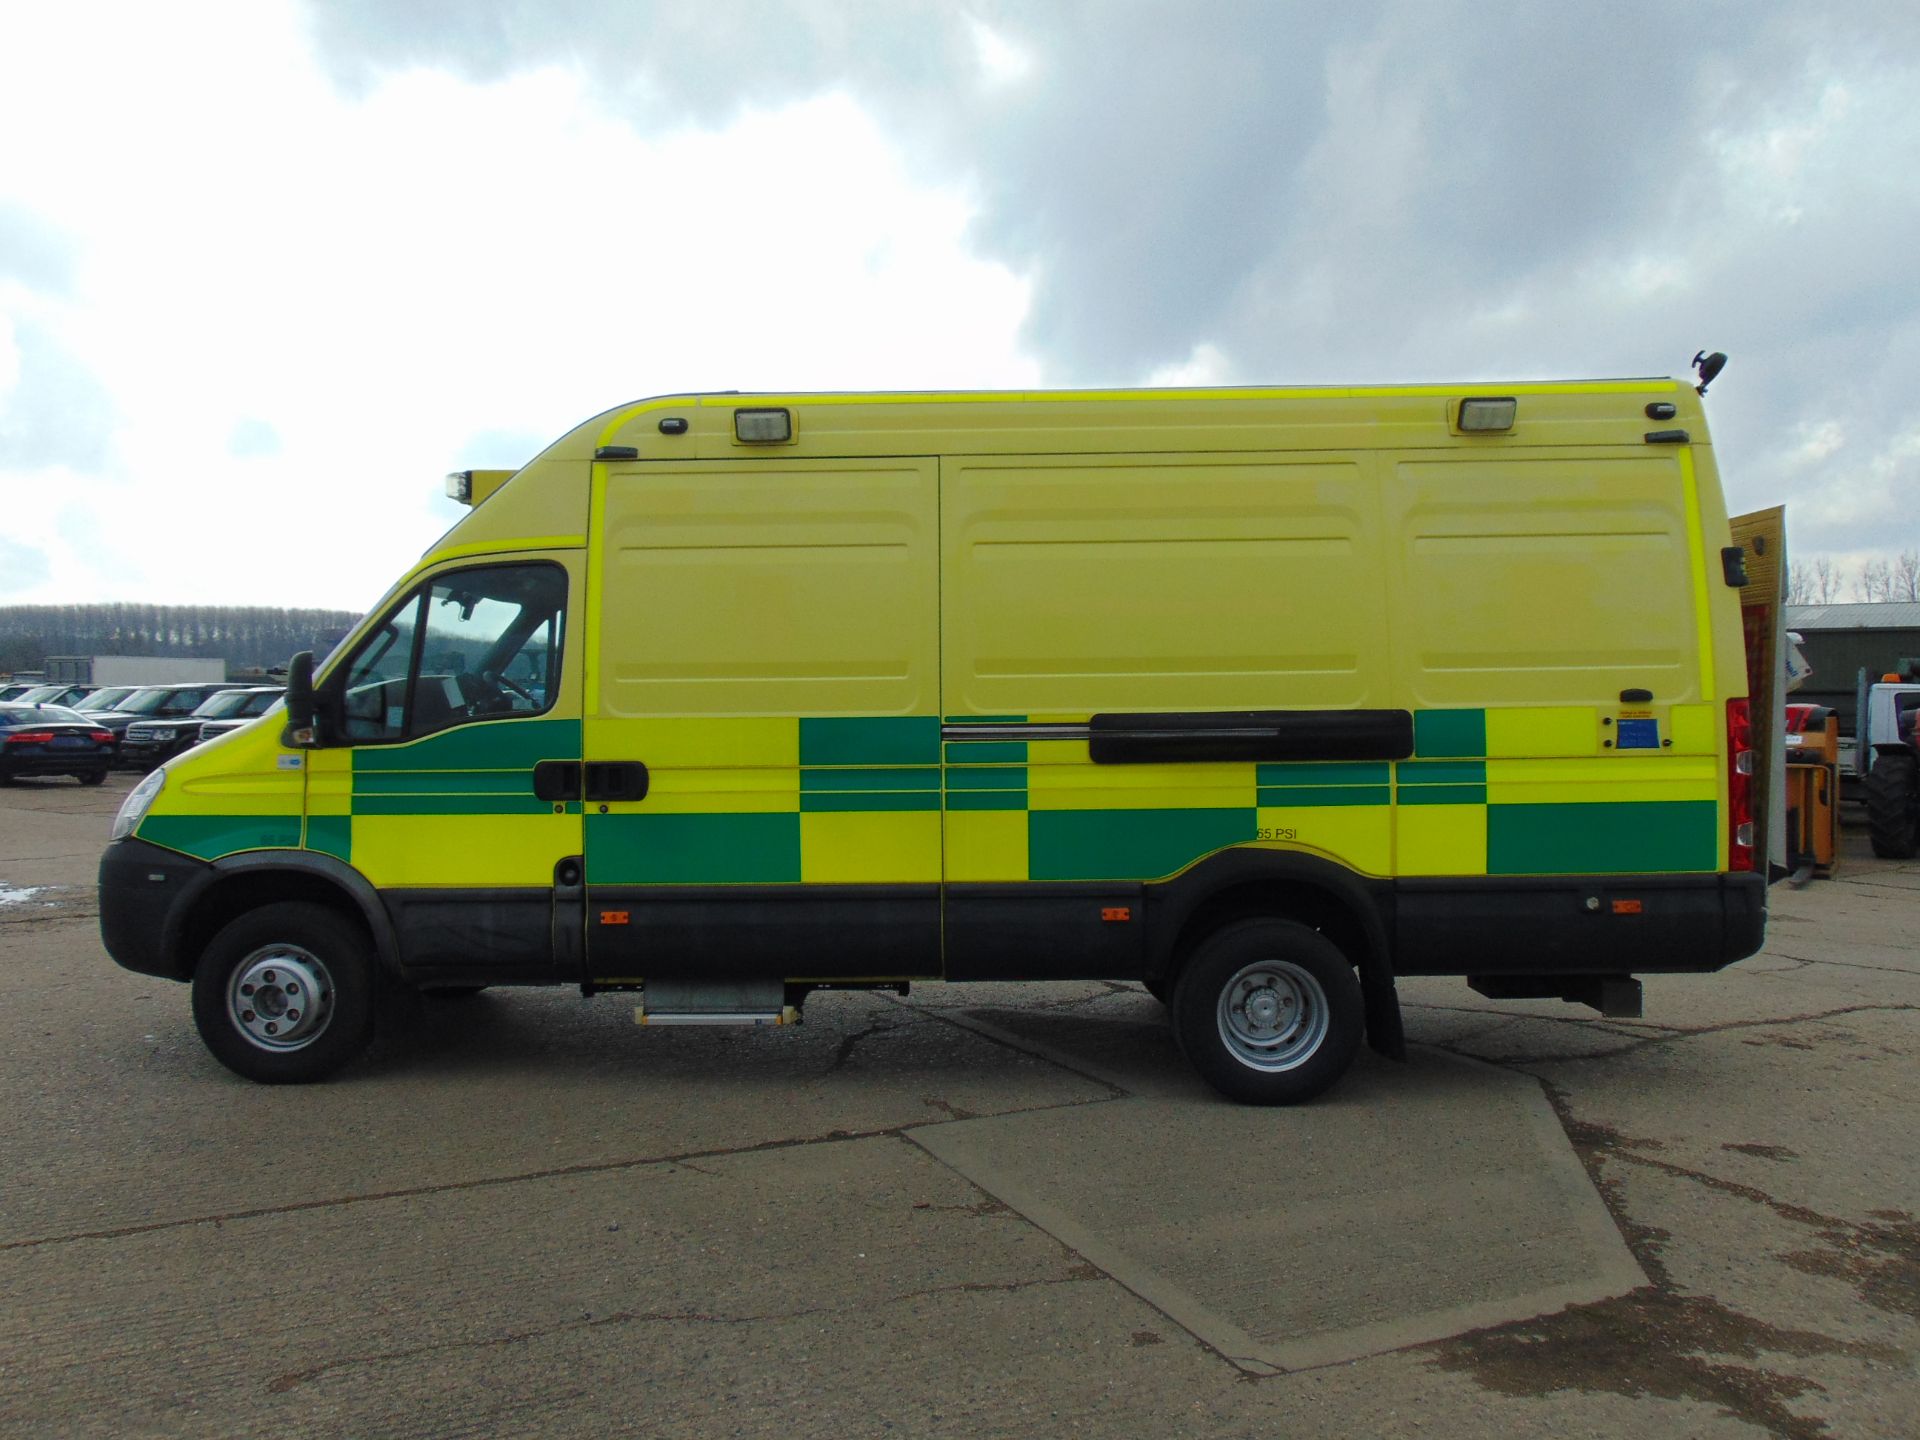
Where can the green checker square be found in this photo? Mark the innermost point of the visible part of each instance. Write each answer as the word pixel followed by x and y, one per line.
pixel 879 740
pixel 1603 838
pixel 1128 844
pixel 716 849
pixel 995 777
pixel 331 835
pixel 1449 733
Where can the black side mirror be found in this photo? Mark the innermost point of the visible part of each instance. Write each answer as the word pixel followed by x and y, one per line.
pixel 299 729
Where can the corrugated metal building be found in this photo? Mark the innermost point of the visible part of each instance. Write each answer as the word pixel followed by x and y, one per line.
pixel 1841 640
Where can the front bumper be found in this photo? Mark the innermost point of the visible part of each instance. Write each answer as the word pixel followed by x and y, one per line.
pixel 144 892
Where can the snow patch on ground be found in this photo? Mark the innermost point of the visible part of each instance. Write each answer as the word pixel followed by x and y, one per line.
pixel 9 896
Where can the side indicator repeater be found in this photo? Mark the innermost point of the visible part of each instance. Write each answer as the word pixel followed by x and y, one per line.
pixel 1116 914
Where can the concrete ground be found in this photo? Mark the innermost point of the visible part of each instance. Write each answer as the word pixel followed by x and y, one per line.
pixel 979 1211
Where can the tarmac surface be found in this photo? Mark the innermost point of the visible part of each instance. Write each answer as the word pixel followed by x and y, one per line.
pixel 981 1210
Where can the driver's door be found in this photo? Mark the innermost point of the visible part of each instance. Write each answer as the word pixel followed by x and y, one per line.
pixel 447 723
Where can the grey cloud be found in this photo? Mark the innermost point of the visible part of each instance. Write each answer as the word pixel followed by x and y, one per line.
pixel 58 413
pixel 253 438
pixel 22 567
pixel 1413 190
pixel 33 251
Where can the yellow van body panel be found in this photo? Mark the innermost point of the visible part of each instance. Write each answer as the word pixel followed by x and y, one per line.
pixel 243 791
pixel 790 635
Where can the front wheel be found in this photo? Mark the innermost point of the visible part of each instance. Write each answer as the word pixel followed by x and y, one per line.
pixel 284 994
pixel 1268 1011
pixel 92 777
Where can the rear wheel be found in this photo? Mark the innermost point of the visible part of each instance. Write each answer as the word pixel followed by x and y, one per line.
pixel 92 777
pixel 1268 1011
pixel 1892 792
pixel 284 994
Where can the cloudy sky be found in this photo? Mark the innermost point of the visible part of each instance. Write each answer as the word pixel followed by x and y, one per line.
pixel 268 269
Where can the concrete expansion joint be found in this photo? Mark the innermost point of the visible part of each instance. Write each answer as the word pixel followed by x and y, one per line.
pixel 681 1160
pixel 292 1379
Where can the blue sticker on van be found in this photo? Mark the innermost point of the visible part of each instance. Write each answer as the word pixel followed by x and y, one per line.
pixel 1639 735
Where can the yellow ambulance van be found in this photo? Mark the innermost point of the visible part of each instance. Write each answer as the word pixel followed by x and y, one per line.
pixel 1260 698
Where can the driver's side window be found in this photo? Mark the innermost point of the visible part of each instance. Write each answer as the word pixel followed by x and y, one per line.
pixel 472 644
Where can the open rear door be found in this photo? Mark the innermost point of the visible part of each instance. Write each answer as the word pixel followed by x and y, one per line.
pixel 1763 535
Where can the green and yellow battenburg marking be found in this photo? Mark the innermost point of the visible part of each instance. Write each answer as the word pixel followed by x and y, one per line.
pixel 886 800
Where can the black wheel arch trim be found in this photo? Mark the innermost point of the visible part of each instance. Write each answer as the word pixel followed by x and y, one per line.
pixel 1175 903
pixel 153 900
pixel 303 862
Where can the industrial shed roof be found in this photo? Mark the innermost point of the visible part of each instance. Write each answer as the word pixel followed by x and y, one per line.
pixel 1860 615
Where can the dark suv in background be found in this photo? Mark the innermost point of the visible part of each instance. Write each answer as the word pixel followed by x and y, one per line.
pixel 231 709
pixel 161 712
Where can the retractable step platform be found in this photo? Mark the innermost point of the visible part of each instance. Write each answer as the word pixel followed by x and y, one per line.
pixel 688 1002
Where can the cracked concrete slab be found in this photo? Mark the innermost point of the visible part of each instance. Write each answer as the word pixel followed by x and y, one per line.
pixel 1413 1206
pixel 423 1249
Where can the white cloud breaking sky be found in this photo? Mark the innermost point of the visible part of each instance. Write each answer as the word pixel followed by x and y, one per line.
pixel 269 268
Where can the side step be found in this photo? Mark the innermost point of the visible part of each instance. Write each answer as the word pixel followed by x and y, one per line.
pixel 785 1015
pixel 692 1002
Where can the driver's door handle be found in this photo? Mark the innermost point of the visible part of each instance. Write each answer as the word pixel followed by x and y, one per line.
pixel 557 780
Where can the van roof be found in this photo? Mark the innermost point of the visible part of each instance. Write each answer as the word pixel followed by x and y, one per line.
pixel 933 422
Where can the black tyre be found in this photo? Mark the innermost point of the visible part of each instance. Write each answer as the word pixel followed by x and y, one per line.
pixel 1160 988
pixel 1268 1011
pixel 1892 792
pixel 92 777
pixel 284 994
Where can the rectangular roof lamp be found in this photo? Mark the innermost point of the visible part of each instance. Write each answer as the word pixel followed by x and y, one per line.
pixel 470 487
pixel 1486 415
pixel 763 426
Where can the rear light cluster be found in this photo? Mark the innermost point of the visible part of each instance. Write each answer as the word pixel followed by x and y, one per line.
pixel 45 737
pixel 1739 786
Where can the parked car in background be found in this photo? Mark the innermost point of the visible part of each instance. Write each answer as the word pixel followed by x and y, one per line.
pixel 104 698
pixel 231 709
pixel 52 740
pixel 16 689
pixel 155 708
pixel 56 694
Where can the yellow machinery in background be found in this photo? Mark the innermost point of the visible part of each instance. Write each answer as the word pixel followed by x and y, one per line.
pixel 1813 792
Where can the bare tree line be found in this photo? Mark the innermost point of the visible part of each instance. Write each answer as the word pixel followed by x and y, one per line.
pixel 242 635
pixel 1821 580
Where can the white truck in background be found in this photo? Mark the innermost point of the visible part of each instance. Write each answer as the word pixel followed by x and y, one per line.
pixel 1884 758
pixel 103 670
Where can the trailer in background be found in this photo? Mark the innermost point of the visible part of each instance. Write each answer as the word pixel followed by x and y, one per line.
pixel 100 670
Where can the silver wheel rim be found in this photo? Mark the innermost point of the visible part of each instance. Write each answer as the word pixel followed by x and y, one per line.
pixel 280 997
pixel 1272 1015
